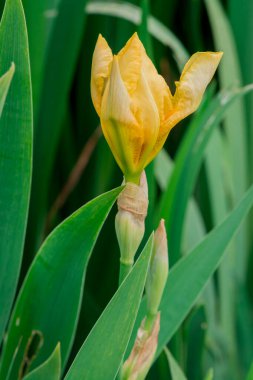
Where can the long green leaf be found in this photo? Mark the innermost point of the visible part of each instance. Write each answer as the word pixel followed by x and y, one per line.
pixel 250 374
pixel 15 153
pixel 209 375
pixel 63 46
pixel 5 82
pixel 217 180
pixel 52 290
pixel 50 369
pixel 176 371
pixel 241 20
pixel 38 26
pixel 196 339
pixel 102 352
pixel 194 228
pixel 175 198
pixel 133 14
pixel 235 121
pixel 189 276
pixel 234 144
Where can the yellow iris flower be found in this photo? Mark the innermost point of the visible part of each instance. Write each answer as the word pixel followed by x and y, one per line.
pixel 135 105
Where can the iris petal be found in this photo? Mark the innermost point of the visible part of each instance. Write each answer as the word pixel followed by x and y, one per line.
pixel 130 58
pixel 100 71
pixel 117 119
pixel 197 74
pixel 159 88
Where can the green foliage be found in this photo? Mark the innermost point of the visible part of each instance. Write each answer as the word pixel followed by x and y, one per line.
pixel 98 359
pixel 50 369
pixel 60 266
pixel 188 161
pixel 176 372
pixel 62 316
pixel 5 82
pixel 15 151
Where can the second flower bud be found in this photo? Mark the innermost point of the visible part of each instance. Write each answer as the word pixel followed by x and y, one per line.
pixel 130 220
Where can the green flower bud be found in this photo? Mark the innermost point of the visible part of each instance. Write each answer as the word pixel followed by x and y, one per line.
pixel 158 270
pixel 142 355
pixel 130 219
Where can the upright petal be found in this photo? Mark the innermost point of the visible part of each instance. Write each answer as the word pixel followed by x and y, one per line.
pixel 130 57
pixel 146 113
pixel 100 71
pixel 117 120
pixel 159 88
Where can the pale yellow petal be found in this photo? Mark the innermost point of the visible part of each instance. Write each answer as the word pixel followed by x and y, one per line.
pixel 197 74
pixel 117 120
pixel 100 71
pixel 147 115
pixel 158 86
pixel 116 103
pixel 130 57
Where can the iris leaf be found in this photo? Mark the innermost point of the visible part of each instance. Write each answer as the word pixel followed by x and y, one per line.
pixel 15 151
pixel 101 354
pixel 52 290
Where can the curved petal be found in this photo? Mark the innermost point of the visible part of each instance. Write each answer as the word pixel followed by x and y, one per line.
pixel 100 71
pixel 197 74
pixel 130 57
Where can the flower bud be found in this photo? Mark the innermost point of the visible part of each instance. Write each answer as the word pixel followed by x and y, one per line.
pixel 158 270
pixel 140 360
pixel 130 219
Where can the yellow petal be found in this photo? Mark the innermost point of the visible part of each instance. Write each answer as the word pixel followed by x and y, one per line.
pixel 130 57
pixel 197 74
pixel 100 71
pixel 117 119
pixel 159 88
pixel 147 115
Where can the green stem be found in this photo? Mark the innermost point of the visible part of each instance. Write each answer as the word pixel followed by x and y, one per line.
pixel 124 270
pixel 149 322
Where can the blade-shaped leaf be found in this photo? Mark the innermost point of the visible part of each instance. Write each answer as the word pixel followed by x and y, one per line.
pixel 38 18
pixel 176 371
pixel 194 228
pixel 5 82
pixel 63 46
pixel 189 276
pixel 15 153
pixel 175 198
pixel 234 121
pixel 209 375
pixel 250 374
pixel 230 75
pixel 241 20
pixel 133 14
pixel 49 300
pixel 102 352
pixel 50 369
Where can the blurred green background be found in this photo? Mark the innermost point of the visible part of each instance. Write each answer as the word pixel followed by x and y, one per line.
pixel 218 333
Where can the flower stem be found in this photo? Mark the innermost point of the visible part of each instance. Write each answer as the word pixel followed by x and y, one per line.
pixel 149 322
pixel 124 270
